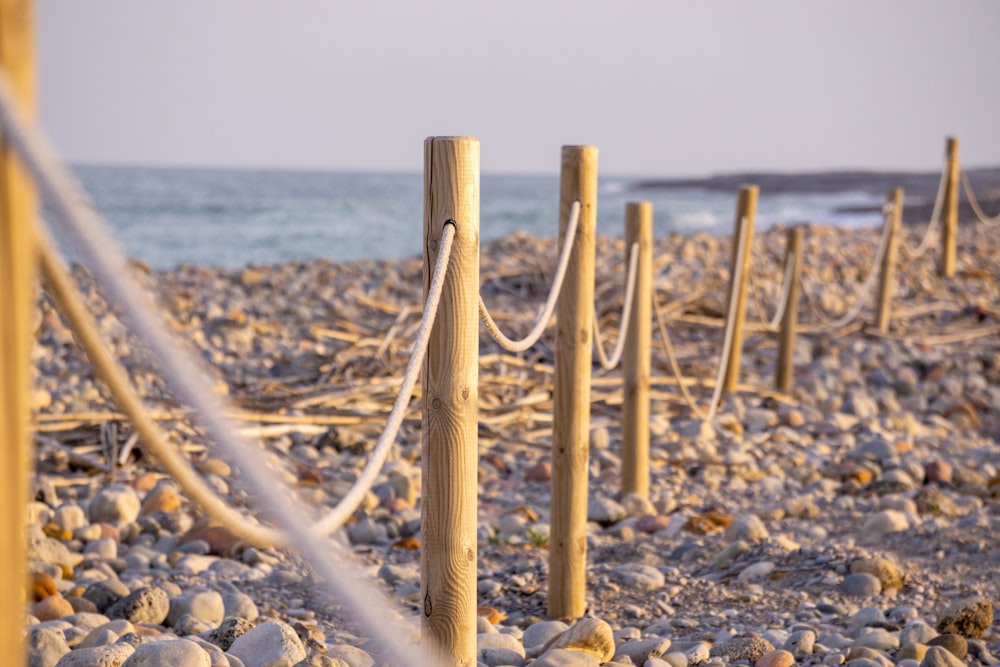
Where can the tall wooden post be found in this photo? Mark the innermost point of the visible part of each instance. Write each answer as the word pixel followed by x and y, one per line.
pixel 949 228
pixel 790 318
pixel 450 405
pixel 887 276
pixel 18 208
pixel 746 210
pixel 636 369
pixel 571 398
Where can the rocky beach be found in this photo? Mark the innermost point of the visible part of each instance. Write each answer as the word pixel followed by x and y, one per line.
pixel 855 520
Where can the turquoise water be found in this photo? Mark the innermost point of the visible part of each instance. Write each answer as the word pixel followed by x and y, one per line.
pixel 231 218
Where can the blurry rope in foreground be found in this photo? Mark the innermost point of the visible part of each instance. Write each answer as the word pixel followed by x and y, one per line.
pixel 110 266
pixel 974 203
pixel 616 355
pixel 727 340
pixel 932 225
pixel 865 291
pixel 550 303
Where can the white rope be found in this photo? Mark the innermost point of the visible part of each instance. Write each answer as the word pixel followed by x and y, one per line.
pixel 110 266
pixel 616 355
pixel 727 337
pixel 786 288
pixel 865 291
pixel 933 224
pixel 974 203
pixel 550 303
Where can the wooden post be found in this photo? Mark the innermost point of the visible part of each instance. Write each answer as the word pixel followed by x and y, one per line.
pixel 636 369
pixel 18 208
pixel 571 397
pixel 746 210
pixel 450 405
pixel 949 228
pixel 789 320
pixel 887 276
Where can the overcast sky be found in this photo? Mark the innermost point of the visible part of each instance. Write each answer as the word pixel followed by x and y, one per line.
pixel 661 87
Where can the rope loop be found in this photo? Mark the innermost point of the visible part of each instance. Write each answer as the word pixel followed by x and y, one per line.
pixel 609 362
pixel 550 304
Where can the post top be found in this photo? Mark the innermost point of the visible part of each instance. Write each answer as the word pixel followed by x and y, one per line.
pixel 456 138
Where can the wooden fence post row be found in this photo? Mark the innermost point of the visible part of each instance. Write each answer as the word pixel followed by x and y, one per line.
pixel 949 228
pixel 450 406
pixel 637 357
pixel 18 208
pixel 746 211
pixel 571 395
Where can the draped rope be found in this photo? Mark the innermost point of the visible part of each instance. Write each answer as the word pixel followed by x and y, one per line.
pixel 864 292
pixel 932 225
pixel 110 266
pixel 786 288
pixel 550 303
pixel 727 339
pixel 974 203
pixel 616 354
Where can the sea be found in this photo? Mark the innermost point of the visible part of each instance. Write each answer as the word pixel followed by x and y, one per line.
pixel 231 218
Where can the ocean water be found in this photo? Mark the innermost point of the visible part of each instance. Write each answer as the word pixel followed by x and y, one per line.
pixel 167 217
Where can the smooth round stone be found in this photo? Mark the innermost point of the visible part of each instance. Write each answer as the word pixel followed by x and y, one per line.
pixel 497 640
pixel 938 656
pixel 756 571
pixel 865 662
pixel 538 634
pixel 800 643
pixel 776 659
pixel 114 504
pixel 205 606
pixel 861 584
pixel 879 639
pixel 105 548
pixel 51 608
pixel 268 642
pixel 494 657
pixel 641 650
pixel 912 651
pixel 956 644
pixel 882 568
pixel 169 652
pixel 747 528
pixel 561 657
pixel 592 636
pixel 916 632
pixel 237 603
pixel 71 517
pixel 672 659
pixel 605 511
pixel 635 575
pixel 886 521
pixel 352 656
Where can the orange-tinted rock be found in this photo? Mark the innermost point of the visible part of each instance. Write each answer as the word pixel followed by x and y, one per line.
pixel 42 586
pixel 221 541
pixel 163 498
pixel 145 482
pixel 54 531
pixel 51 608
pixel 652 523
pixel 491 614
pixel 938 472
pixel 540 472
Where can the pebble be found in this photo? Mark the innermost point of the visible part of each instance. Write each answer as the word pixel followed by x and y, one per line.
pixel 115 504
pixel 861 584
pixel 145 605
pixel 776 658
pixel 560 657
pixel 203 605
pixel 937 656
pixel 640 577
pixel 592 636
pixel 968 618
pixel 266 643
pixel 956 644
pixel 169 652
pixel 641 650
pixel 750 649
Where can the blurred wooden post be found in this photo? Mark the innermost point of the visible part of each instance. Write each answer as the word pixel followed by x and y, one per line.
pixel 636 368
pixel 789 319
pixel 887 277
pixel 949 228
pixel 571 397
pixel 746 210
pixel 450 405
pixel 18 208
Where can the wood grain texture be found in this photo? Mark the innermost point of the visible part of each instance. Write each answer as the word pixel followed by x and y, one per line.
pixel 18 208
pixel 746 211
pixel 949 226
pixel 637 357
pixel 887 274
pixel 785 370
pixel 571 396
pixel 450 400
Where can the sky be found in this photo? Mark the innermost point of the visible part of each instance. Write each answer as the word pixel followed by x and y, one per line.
pixel 662 87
